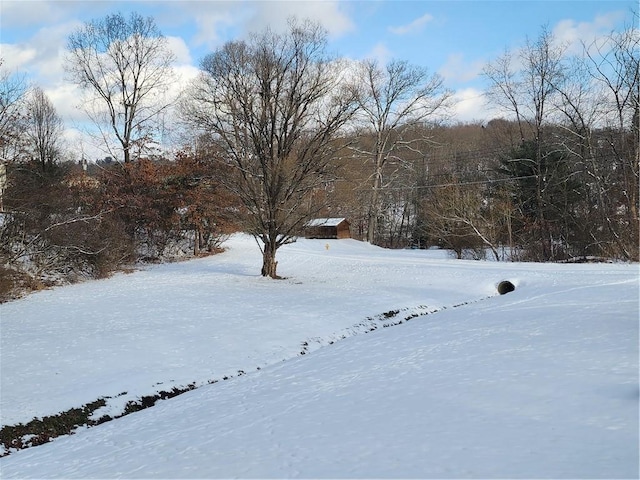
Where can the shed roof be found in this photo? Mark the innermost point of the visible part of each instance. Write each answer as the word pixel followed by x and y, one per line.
pixel 325 222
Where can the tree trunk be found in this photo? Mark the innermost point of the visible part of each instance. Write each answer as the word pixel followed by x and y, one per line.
pixel 196 242
pixel 269 263
pixel 372 226
pixel 374 207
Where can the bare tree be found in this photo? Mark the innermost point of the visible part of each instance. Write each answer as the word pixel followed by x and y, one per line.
pixel 273 105
pixel 542 69
pixel 522 82
pixel 598 102
pixel 389 98
pixel 460 217
pixel 527 93
pixel 13 91
pixel 126 63
pixel 614 63
pixel 44 128
pixel 505 88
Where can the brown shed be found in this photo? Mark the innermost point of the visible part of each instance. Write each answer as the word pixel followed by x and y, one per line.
pixel 327 228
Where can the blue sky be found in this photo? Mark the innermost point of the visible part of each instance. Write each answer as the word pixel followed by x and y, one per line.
pixel 452 38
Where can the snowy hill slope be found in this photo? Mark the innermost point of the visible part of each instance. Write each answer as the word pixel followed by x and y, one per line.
pixel 542 382
pixel 196 321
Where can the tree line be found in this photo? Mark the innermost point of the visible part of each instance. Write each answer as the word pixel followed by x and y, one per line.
pixel 275 132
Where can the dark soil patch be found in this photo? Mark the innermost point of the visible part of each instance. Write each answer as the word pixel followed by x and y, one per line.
pixel 39 431
pixel 42 430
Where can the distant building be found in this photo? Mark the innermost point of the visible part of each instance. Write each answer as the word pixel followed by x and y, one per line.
pixel 327 228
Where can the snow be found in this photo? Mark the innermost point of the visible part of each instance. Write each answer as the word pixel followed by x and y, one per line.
pixel 539 383
pixel 325 222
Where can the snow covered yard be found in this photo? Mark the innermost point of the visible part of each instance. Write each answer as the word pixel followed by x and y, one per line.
pixel 541 382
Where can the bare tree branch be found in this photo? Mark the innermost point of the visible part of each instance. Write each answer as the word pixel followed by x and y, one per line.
pixel 274 105
pixel 126 63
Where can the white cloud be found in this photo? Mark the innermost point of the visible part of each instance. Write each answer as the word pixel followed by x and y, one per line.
pixel 186 73
pixel 413 27
pixel 207 25
pixel 41 55
pixel 381 53
pixel 27 13
pixel 329 14
pixel 470 105
pixel 30 13
pixel 180 49
pixel 571 33
pixel 215 20
pixel 67 100
pixel 456 69
pixel 15 57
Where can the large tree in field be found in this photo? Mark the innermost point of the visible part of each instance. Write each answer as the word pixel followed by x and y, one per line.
pixel 126 64
pixel 390 97
pixel 273 105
